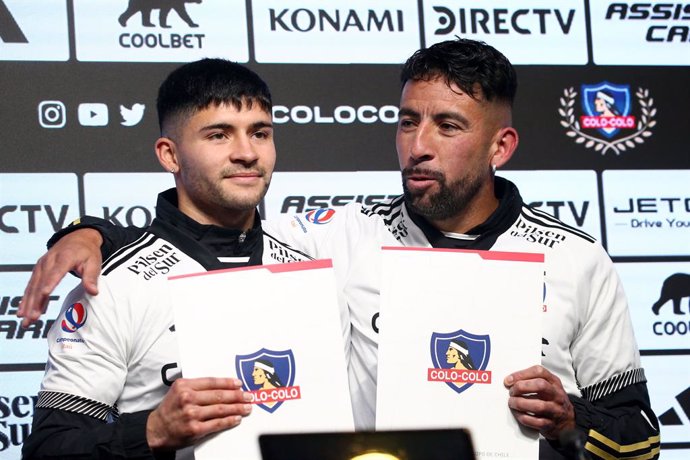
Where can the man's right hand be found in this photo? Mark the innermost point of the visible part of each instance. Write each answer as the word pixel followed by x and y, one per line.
pixel 79 251
pixel 194 409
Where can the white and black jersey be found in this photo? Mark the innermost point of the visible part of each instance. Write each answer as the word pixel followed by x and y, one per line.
pixel 113 356
pixel 588 340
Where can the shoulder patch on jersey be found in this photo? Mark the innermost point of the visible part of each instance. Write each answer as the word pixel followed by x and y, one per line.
pixel 388 210
pixel 320 216
pixel 535 219
pixel 146 258
pixel 282 252
pixel 125 252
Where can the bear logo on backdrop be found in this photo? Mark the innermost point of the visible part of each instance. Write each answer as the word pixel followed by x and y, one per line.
pixel 674 289
pixel 146 7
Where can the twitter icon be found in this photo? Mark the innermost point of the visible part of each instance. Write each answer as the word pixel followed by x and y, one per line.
pixel 132 116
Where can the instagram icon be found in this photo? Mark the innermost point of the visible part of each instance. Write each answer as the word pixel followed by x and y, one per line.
pixel 51 114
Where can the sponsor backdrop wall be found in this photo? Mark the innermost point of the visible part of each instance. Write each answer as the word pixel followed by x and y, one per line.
pixel 601 111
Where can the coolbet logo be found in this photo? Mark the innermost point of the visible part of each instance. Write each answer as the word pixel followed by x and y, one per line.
pixel 675 291
pixel 75 318
pixel 159 30
pixel 270 376
pixel 607 122
pixel 320 216
pixel 674 288
pixel 144 7
pixel 460 359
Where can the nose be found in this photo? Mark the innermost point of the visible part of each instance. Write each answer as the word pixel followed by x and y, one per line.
pixel 420 147
pixel 242 150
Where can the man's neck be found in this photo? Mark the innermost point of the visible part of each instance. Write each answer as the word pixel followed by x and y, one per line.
pixel 230 219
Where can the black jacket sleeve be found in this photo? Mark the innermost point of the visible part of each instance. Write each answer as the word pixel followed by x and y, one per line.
pixel 114 236
pixel 618 425
pixel 58 434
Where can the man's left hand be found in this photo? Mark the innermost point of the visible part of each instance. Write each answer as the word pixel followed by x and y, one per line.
pixel 539 401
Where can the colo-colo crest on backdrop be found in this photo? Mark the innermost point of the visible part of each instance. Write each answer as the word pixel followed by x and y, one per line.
pixel 608 119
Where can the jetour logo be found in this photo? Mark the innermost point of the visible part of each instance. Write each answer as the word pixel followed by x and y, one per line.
pixel 270 376
pixel 75 318
pixel 320 216
pixel 460 359
pixel 607 108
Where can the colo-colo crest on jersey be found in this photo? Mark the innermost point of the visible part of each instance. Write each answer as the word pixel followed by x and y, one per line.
pixel 460 359
pixel 270 376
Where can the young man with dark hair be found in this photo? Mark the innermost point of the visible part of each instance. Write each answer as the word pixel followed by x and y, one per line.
pixel 454 131
pixel 112 388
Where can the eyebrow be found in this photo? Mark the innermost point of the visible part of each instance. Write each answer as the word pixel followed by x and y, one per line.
pixel 228 126
pixel 406 112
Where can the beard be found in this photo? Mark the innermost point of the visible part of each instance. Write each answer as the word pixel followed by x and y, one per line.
pixel 451 199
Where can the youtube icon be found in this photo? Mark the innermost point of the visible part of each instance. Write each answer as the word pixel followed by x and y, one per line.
pixel 93 114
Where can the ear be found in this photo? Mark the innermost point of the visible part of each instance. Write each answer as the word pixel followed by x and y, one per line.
pixel 505 143
pixel 167 154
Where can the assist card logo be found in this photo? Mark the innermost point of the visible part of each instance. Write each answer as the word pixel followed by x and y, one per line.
pixel 270 376
pixel 607 121
pixel 460 359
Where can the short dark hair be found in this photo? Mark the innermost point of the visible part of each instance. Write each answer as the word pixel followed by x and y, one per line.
pixel 466 63
pixel 199 84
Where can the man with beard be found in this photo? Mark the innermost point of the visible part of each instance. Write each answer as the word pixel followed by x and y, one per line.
pixel 454 131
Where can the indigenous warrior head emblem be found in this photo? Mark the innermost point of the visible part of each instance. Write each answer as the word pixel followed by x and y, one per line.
pixel 606 121
pixel 608 102
pixel 269 375
pixel 460 359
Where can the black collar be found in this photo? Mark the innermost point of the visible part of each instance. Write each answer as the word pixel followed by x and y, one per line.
pixel 206 242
